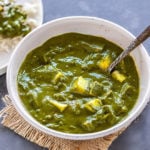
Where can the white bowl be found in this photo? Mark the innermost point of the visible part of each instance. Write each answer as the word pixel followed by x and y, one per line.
pixel 85 25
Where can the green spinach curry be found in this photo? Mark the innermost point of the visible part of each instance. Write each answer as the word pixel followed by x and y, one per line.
pixel 65 86
pixel 13 20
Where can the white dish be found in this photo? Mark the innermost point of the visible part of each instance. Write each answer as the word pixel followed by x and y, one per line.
pixel 36 15
pixel 85 25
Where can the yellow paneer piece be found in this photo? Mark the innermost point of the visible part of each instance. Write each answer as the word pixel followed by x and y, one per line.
pixel 92 105
pixel 57 77
pixel 80 85
pixel 118 76
pixel 1 8
pixel 59 105
pixel 104 62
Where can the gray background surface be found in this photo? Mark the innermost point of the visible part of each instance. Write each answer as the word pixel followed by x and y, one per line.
pixel 134 15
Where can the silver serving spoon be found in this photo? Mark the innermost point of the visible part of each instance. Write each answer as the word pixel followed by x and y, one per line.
pixel 141 38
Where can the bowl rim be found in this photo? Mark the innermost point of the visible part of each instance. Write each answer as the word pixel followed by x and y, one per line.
pixel 122 124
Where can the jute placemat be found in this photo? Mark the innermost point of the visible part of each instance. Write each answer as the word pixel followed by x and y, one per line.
pixel 12 120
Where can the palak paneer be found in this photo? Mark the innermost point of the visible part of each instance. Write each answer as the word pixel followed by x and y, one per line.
pixel 64 84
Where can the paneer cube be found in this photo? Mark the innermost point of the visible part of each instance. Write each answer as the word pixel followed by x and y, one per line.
pixel 80 85
pixel 104 63
pixel 118 76
pixel 57 77
pixel 93 104
pixel 1 8
pixel 59 105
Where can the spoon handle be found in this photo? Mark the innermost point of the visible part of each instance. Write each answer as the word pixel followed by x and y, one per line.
pixel 141 38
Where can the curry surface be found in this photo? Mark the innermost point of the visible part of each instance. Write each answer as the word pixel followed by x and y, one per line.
pixel 65 86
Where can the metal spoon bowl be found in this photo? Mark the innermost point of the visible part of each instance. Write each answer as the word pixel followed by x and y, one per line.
pixel 141 38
